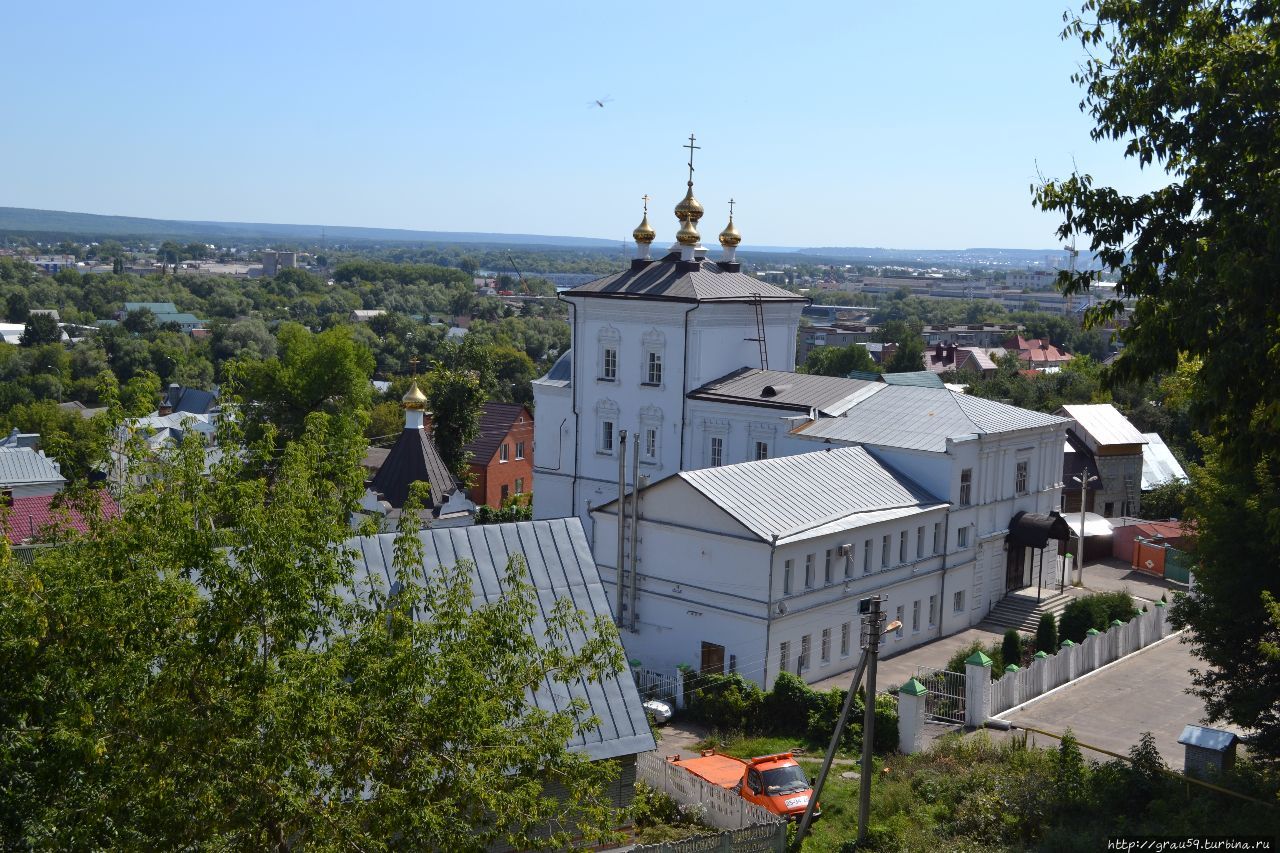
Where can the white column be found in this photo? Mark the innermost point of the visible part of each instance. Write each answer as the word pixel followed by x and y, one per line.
pixel 977 690
pixel 911 717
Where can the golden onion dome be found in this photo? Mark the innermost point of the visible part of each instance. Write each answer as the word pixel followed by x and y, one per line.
pixel 644 232
pixel 730 236
pixel 688 234
pixel 689 207
pixel 414 398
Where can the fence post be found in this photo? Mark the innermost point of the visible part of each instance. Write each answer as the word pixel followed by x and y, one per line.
pixel 1067 651
pixel 679 697
pixel 1162 615
pixel 977 690
pixel 911 717
pixel 1093 650
pixel 1040 664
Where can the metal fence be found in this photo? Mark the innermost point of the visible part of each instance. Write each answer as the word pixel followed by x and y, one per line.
pixel 656 685
pixel 945 697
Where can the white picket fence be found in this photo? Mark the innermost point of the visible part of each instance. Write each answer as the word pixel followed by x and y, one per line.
pixel 1072 661
pixel 722 808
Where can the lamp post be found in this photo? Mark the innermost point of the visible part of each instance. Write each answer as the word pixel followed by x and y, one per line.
pixel 1084 478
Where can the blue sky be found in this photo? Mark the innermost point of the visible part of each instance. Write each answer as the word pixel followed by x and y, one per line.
pixel 902 124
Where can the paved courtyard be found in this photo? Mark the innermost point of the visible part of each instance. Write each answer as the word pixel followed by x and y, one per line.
pixel 1113 707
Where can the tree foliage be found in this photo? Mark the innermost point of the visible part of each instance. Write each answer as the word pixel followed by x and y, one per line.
pixel 205 672
pixel 41 329
pixel 839 361
pixel 1192 88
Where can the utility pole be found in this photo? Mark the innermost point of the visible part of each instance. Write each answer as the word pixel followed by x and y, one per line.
pixel 872 651
pixel 831 750
pixel 1084 479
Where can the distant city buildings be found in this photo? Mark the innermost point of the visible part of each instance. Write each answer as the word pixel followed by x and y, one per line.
pixel 273 262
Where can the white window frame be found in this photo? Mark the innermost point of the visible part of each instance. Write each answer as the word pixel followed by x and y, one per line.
pixel 902 547
pixel 504 453
pixel 788 575
pixel 827 576
pixel 784 656
pixel 966 487
pixel 652 346
pixel 962 536
pixel 901 612
pixel 810 570
pixel 806 650
pixel 607 414
pixel 957 601
pixel 884 551
pixel 608 437
pixel 609 343
pixel 519 485
pixel 915 616
pixel 762 450
pixel 519 450
pixel 715 453
pixel 866 557
pixel 1022 476
pixel 933 611
pixel 825 646
pixel 919 542
pixel 651 433
pixel 653 368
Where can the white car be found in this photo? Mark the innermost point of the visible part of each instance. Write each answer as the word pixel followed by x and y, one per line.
pixel 659 712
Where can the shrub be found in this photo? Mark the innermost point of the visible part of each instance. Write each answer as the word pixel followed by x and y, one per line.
pixel 726 702
pixel 1047 635
pixel 1094 611
pixel 1011 648
pixel 993 651
pixel 788 705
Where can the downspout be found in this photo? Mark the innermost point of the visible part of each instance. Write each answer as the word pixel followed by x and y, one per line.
pixel 942 587
pixel 685 389
pixel 768 614
pixel 622 517
pixel 635 525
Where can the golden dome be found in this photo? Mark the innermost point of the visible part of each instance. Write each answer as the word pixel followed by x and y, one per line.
pixel 730 236
pixel 414 398
pixel 687 235
pixel 644 232
pixel 689 207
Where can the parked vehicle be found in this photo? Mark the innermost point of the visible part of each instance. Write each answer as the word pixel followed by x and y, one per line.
pixel 659 712
pixel 773 782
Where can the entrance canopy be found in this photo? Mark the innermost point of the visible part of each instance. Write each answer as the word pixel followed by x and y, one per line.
pixel 1034 530
pixel 1094 524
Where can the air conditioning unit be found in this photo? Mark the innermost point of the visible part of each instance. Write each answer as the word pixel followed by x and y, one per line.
pixel 845 550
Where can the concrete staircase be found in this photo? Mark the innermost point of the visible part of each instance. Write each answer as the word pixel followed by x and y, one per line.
pixel 1020 611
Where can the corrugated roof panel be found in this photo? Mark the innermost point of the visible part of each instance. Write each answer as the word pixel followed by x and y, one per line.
pixel 792 494
pixel 558 565
pixel 23 466
pixel 797 391
pixel 1104 424
pixel 1159 466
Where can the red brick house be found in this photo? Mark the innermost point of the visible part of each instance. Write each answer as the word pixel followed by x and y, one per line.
pixel 502 454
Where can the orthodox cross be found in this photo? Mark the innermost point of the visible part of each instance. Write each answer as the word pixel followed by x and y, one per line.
pixel 731 210
pixel 691 148
pixel 413 365
pixel 646 203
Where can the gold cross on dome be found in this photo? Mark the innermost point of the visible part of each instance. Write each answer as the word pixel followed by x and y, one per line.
pixel 731 208
pixel 646 202
pixel 691 148
pixel 413 365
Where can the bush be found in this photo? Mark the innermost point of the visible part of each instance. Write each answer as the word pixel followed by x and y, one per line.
pixel 1094 611
pixel 1011 648
pixel 787 707
pixel 726 702
pixel 1047 635
pixel 993 651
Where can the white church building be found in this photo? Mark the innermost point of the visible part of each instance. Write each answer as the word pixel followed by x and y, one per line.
pixel 751 474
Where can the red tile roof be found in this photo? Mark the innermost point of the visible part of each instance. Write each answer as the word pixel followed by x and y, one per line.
pixel 35 517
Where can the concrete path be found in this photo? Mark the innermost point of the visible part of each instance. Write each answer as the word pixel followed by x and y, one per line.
pixel 1112 708
pixel 893 671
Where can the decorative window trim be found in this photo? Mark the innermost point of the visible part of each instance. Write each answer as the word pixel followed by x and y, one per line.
pixel 653 342
pixel 608 338
pixel 606 410
pixel 651 419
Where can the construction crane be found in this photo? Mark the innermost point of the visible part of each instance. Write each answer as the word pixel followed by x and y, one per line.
pixel 524 286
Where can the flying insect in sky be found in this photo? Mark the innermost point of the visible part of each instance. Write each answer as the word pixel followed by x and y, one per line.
pixel 600 102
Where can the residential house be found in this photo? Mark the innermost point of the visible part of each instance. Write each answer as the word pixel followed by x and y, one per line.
pixel 164 312
pixel 364 315
pixel 191 401
pixel 555 561
pixel 33 518
pixel 1037 353
pixel 1159 465
pixel 502 454
pixel 1103 444
pixel 26 472
pixel 946 358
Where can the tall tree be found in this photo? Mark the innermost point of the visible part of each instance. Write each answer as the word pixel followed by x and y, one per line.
pixel 40 329
pixel 839 361
pixel 204 672
pixel 1193 88
pixel 456 399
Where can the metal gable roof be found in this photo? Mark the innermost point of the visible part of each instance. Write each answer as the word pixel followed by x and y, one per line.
pixel 1159 466
pixel 558 564
pixel 1104 424
pixel 917 418
pixel 795 391
pixel 790 495
pixel 414 458
pixel 669 279
pixel 23 466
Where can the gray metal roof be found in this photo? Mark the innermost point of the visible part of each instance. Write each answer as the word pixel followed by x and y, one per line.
pixel 1104 424
pixel 916 418
pixel 1158 463
pixel 669 279
pixel 561 373
pixel 558 565
pixel 791 495
pixel 21 466
pixel 794 391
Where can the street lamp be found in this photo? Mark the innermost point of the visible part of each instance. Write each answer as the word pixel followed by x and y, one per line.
pixel 1084 478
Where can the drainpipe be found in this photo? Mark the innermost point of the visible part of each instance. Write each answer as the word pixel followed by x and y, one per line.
pixel 684 390
pixel 622 514
pixel 942 588
pixel 768 613
pixel 635 525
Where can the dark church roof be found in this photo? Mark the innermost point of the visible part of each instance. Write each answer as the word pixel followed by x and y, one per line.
pixel 671 280
pixel 413 458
